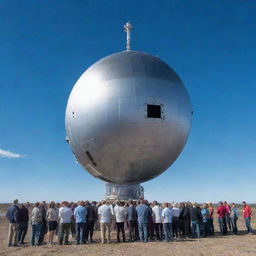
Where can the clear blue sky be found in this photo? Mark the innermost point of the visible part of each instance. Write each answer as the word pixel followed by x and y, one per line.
pixel 46 45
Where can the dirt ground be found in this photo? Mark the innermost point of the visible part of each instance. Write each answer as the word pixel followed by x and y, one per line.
pixel 239 245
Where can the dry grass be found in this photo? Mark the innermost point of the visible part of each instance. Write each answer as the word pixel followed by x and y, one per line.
pixel 230 245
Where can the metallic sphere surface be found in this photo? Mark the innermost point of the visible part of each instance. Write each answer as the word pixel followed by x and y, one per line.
pixel 109 124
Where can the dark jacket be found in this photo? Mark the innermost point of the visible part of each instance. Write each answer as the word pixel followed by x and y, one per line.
pixel 13 214
pixel 195 214
pixel 92 213
pixel 24 215
pixel 185 214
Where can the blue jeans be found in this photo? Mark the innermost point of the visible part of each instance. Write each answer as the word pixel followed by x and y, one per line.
pixel 80 232
pixel 233 221
pixel 195 228
pixel 223 226
pixel 168 235
pixel 143 231
pixel 206 228
pixel 36 232
pixel 247 221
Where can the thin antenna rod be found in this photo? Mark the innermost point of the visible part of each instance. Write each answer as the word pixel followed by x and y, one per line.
pixel 128 30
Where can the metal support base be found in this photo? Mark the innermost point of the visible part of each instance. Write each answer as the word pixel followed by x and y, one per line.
pixel 124 192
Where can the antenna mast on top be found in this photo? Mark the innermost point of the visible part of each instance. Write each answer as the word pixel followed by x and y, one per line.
pixel 128 30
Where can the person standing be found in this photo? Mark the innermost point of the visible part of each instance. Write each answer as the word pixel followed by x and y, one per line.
pixel 105 213
pixel 206 216
pixel 157 218
pixel 185 216
pixel 143 213
pixel 133 222
pixel 13 215
pixel 80 215
pixel 44 230
pixel 221 211
pixel 211 223
pixel 247 212
pixel 36 222
pixel 233 218
pixel 23 227
pixel 92 216
pixel 120 215
pixel 227 216
pixel 196 218
pixel 176 221
pixel 52 219
pixel 65 216
pixel 167 222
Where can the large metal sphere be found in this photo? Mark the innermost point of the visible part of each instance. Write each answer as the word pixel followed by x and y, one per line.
pixel 128 118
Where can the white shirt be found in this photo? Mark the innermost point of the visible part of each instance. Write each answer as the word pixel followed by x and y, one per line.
pixel 65 214
pixel 120 213
pixel 104 212
pixel 167 215
pixel 176 212
pixel 157 214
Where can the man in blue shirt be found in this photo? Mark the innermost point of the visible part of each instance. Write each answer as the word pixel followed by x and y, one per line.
pixel 80 214
pixel 143 213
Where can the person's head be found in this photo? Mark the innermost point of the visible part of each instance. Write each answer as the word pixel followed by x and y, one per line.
pixel 15 201
pixel 195 205
pixel 52 205
pixel 225 203
pixel 244 203
pixel 103 202
pixel 118 203
pixel 58 205
pixel 36 204
pixel 81 203
pixel 166 205
pixel 130 202
pixel 205 205
pixel 23 206
pixel 220 203
pixel 209 204
pixel 155 203
pixel 174 205
pixel 94 202
pixel 86 203
pixel 233 205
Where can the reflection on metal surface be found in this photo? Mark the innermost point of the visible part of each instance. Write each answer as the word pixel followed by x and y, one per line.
pixel 107 116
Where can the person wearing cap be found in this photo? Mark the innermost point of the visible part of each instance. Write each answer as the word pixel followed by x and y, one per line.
pixel 13 215
pixel 247 212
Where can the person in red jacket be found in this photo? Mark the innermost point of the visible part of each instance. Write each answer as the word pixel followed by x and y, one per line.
pixel 221 211
pixel 247 212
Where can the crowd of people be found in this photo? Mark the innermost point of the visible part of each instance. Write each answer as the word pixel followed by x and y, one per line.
pixel 145 221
